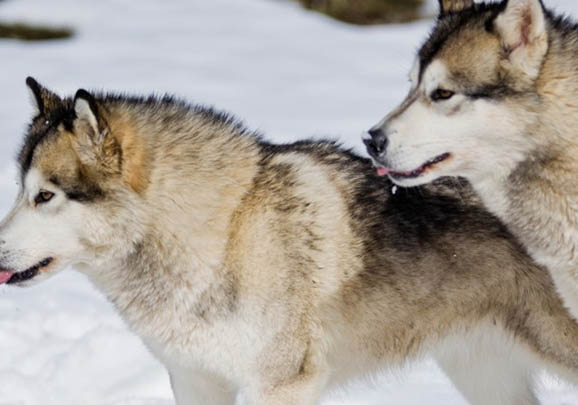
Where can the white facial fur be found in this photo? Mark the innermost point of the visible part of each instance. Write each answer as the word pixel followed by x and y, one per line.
pixel 474 131
pixel 486 138
pixel 89 236
pixel 33 232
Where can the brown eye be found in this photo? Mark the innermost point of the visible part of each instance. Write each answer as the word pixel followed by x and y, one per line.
pixel 43 197
pixel 441 94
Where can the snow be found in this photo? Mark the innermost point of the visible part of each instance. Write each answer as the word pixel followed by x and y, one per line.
pixel 287 72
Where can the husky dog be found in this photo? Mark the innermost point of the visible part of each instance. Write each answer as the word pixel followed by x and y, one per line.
pixel 275 271
pixel 494 98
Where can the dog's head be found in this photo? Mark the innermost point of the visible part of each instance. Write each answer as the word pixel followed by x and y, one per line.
pixel 79 192
pixel 472 95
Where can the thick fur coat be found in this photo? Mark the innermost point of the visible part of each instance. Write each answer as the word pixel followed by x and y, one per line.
pixel 275 271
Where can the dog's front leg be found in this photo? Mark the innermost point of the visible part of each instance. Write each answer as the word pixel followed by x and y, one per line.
pixel 304 391
pixel 197 388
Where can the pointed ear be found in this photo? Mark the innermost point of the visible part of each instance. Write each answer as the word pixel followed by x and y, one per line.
pixel 522 28
pixel 87 112
pixel 91 130
pixel 43 100
pixel 454 6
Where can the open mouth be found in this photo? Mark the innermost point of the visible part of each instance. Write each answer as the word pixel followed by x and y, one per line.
pixel 9 277
pixel 412 174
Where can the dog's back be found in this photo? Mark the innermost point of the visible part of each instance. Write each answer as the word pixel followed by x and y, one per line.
pixel 388 274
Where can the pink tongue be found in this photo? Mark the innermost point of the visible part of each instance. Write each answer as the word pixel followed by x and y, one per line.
pixel 382 171
pixel 5 276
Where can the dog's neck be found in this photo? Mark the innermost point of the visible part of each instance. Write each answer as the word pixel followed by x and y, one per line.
pixel 538 196
pixel 180 267
pixel 538 200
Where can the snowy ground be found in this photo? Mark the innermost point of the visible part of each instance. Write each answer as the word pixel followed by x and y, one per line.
pixel 288 73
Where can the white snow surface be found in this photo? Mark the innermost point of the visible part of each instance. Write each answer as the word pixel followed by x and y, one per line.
pixel 288 73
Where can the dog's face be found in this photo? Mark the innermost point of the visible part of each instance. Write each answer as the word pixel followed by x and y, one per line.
pixel 73 206
pixel 471 99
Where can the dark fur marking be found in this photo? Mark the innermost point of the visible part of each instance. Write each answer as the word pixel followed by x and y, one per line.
pixel 37 91
pixel 486 13
pixel 88 195
pixel 407 221
pixel 78 187
pixel 450 25
pixel 54 180
pixel 81 188
pixel 490 91
pixel 41 128
pixel 86 96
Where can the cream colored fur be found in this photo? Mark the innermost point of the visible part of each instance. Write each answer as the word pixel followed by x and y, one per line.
pixel 269 274
pixel 518 143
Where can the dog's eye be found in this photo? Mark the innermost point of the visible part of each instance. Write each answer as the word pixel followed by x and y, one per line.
pixel 43 197
pixel 441 94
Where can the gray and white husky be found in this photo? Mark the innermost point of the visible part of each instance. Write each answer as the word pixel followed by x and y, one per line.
pixel 272 272
pixel 494 98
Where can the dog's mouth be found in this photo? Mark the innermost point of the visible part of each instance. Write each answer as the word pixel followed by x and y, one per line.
pixel 413 174
pixel 10 277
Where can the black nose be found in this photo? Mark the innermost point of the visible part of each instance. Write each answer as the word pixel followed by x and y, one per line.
pixel 377 144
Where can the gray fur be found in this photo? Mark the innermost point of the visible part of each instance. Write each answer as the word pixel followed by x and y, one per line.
pixel 516 61
pixel 277 271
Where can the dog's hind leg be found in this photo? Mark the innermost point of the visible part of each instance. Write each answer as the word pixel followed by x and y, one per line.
pixel 488 367
pixel 193 388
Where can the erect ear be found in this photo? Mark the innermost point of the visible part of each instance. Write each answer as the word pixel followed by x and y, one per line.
pixel 454 6
pixel 88 114
pixel 43 100
pixel 92 132
pixel 522 27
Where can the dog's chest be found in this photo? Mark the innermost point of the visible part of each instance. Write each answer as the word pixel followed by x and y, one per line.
pixel 224 347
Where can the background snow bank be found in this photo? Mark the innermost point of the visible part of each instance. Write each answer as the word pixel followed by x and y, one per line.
pixel 289 73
